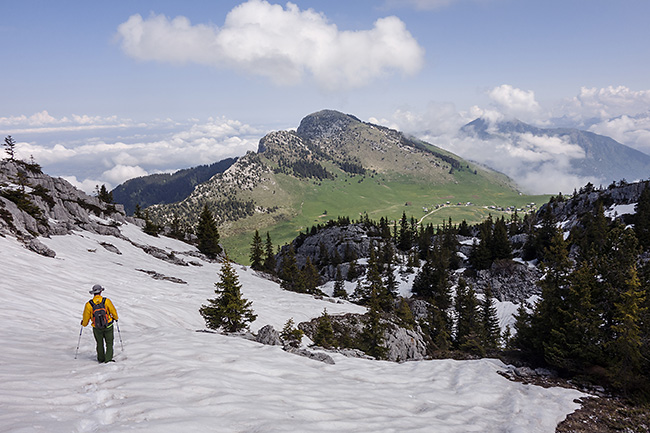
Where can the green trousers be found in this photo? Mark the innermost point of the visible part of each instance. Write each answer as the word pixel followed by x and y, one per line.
pixel 101 336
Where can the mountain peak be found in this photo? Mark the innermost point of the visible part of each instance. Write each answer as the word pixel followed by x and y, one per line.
pixel 325 123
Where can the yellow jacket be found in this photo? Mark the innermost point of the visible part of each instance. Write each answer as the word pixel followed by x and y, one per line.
pixel 88 311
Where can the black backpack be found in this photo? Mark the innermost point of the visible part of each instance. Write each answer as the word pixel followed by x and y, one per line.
pixel 100 315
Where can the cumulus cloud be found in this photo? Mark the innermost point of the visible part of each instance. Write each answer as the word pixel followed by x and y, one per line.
pixel 88 160
pixel 515 102
pixel 604 103
pixel 282 44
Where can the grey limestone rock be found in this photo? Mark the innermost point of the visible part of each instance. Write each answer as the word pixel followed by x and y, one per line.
pixel 268 335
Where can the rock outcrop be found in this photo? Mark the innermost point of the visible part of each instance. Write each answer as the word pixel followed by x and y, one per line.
pixel 401 344
pixel 33 204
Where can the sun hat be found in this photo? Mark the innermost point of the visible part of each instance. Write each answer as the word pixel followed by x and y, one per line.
pixel 96 289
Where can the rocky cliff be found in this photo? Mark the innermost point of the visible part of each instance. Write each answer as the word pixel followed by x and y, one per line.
pixel 33 204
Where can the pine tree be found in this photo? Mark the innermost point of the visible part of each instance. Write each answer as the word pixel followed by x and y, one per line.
pixel 324 335
pixel 310 277
pixel 208 234
pixel 574 343
pixel 500 244
pixel 625 349
pixel 292 277
pixel 549 317
pixel 642 218
pixel 10 147
pixel 150 227
pixel 372 335
pixel 104 195
pixel 290 335
pixel 405 241
pixel 229 311
pixel 256 252
pixel 489 320
pixel 467 317
pixel 404 314
pixel 339 285
pixel 375 283
pixel 269 256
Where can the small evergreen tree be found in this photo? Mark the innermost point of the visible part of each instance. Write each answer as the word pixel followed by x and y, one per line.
pixel 269 256
pixel 324 335
pixel 229 311
pixel 10 147
pixel 150 227
pixel 339 285
pixel 104 195
pixel 290 335
pixel 467 317
pixel 290 274
pixel 404 314
pixel 310 277
pixel 372 335
pixel 256 252
pixel 208 234
pixel 642 219
pixel 489 320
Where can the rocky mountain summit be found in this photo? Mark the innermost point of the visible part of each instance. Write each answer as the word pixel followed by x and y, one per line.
pixel 268 187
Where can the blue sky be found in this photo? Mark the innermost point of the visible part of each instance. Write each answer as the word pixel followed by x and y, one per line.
pixel 101 91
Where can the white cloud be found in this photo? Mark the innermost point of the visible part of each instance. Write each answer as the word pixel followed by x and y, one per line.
pixel 283 44
pixel 121 173
pixel 605 103
pixel 633 131
pixel 89 161
pixel 515 102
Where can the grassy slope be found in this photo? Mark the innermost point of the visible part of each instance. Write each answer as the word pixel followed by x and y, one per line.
pixel 381 196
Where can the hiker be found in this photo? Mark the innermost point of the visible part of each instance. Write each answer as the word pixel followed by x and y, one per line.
pixel 103 314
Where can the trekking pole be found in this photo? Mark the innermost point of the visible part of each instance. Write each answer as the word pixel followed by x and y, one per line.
pixel 119 334
pixel 78 342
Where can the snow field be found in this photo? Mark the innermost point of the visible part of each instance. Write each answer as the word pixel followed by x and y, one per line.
pixel 170 378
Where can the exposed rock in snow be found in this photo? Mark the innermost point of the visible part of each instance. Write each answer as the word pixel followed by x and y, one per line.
pixel 268 335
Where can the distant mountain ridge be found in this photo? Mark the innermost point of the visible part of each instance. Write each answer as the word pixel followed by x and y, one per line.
pixel 604 159
pixel 166 187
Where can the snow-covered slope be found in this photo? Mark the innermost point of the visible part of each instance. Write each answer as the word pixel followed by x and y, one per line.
pixel 170 378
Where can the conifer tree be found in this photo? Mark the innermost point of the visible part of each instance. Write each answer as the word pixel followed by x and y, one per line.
pixel 290 335
pixel 292 278
pixel 574 343
pixel 405 241
pixel 10 147
pixel 372 335
pixel 548 315
pixel 642 218
pixel 625 348
pixel 104 195
pixel 208 234
pixel 269 256
pixel 256 252
pixel 489 321
pixel 339 285
pixel 150 227
pixel 467 317
pixel 324 335
pixel 375 283
pixel 310 277
pixel 229 310
pixel 404 314
pixel 500 244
